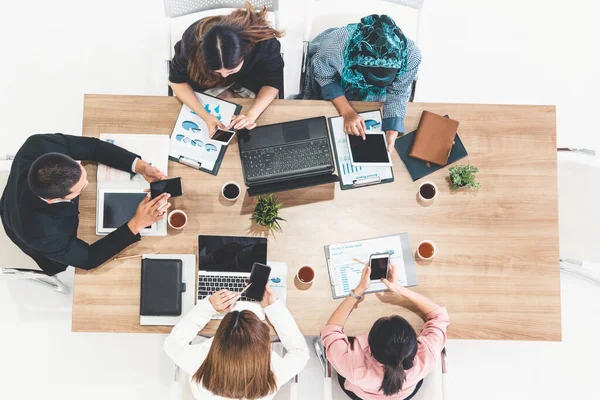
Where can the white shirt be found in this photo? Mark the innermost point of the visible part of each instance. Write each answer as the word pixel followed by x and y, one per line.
pixel 189 357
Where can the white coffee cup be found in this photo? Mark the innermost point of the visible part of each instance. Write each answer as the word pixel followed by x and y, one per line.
pixel 312 270
pixel 174 212
pixel 231 183
pixel 421 256
pixel 435 192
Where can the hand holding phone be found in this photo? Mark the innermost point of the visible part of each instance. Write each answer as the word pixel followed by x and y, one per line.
pixel 172 186
pixel 259 276
pixel 379 266
pixel 223 136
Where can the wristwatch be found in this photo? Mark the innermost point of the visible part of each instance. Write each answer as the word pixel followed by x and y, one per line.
pixel 357 297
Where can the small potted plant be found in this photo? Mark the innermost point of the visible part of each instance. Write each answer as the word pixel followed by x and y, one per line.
pixel 463 176
pixel 266 212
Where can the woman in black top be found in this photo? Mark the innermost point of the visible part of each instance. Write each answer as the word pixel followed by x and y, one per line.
pixel 234 51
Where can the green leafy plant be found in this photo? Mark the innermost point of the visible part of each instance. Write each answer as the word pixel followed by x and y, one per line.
pixel 464 176
pixel 266 212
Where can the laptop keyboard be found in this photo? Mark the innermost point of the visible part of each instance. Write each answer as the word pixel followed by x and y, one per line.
pixel 287 158
pixel 208 284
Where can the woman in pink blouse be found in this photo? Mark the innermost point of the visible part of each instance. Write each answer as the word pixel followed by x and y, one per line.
pixel 391 361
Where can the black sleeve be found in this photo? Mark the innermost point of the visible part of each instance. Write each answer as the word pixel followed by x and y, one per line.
pixel 80 148
pixel 270 65
pixel 79 254
pixel 178 66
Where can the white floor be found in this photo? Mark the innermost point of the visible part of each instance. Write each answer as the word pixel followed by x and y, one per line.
pixel 534 52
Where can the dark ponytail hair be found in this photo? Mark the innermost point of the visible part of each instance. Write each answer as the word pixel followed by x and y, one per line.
pixel 393 343
pixel 224 46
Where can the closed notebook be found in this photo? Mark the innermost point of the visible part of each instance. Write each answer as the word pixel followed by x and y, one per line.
pixel 434 138
pixel 161 287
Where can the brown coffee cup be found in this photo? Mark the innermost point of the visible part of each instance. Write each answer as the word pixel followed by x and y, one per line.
pixel 426 250
pixel 177 219
pixel 306 274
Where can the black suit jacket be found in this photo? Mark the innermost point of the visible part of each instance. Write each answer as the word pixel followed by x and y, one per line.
pixel 48 232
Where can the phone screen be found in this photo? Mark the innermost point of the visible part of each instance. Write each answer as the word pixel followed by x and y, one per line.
pixel 379 267
pixel 258 278
pixel 172 186
pixel 222 136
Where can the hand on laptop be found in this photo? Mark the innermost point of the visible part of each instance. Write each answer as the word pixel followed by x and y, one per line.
pixel 223 300
pixel 354 124
pixel 148 212
pixel 242 121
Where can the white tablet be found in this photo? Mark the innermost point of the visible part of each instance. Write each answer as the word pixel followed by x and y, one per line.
pixel 369 152
pixel 115 207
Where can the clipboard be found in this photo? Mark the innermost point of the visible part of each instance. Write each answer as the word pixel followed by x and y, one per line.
pixel 189 142
pixel 365 176
pixel 408 277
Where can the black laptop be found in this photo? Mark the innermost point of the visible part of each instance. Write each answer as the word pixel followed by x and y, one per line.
pixel 286 156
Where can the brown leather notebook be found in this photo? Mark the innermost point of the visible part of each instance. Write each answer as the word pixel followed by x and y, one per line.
pixel 434 138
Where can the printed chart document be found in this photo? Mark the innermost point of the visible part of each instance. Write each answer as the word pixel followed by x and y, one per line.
pixel 351 175
pixel 278 279
pixel 345 272
pixel 190 143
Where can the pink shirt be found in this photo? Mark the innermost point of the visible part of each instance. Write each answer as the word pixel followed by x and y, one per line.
pixel 364 374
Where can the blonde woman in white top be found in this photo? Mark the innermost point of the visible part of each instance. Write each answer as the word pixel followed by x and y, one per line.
pixel 237 363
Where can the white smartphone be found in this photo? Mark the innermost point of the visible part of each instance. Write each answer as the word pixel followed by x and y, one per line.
pixel 223 136
pixel 380 265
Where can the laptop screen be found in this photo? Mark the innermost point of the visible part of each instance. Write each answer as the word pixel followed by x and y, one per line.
pixel 230 253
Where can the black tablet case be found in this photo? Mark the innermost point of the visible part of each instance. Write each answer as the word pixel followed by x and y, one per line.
pixel 161 287
pixel 418 168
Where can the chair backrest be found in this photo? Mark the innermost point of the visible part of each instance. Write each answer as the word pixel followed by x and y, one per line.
pixel 578 212
pixel 177 8
pixel 12 256
pixel 324 14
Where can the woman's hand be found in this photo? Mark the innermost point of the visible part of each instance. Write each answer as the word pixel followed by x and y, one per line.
pixel 243 121
pixel 354 124
pixel 223 300
pixel 392 284
pixel 365 281
pixel 268 298
pixel 391 137
pixel 213 123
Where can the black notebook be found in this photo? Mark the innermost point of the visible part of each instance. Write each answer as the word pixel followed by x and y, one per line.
pixel 419 168
pixel 161 287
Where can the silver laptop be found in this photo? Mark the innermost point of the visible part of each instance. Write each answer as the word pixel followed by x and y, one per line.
pixel 225 262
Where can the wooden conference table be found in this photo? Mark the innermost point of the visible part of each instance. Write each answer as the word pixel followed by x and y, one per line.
pixel 497 267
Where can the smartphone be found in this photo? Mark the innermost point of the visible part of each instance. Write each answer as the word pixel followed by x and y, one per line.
pixel 379 266
pixel 172 186
pixel 223 136
pixel 259 276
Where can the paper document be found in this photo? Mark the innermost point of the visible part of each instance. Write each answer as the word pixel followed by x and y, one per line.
pixel 349 173
pixel 345 272
pixel 278 279
pixel 190 138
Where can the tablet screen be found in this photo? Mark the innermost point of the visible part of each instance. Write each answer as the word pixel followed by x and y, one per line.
pixel 371 150
pixel 119 208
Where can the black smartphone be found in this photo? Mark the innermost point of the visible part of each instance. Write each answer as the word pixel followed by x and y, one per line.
pixel 223 136
pixel 379 266
pixel 259 276
pixel 172 186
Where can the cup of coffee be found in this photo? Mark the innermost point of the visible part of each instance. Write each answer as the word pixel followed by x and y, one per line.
pixel 426 250
pixel 306 274
pixel 427 192
pixel 231 191
pixel 177 219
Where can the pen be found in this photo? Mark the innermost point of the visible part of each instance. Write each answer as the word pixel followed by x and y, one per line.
pixel 135 256
pixel 246 288
pixel 359 261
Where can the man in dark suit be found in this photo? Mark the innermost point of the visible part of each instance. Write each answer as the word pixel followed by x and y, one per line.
pixel 40 205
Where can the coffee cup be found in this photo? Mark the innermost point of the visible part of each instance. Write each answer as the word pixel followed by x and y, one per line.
pixel 306 274
pixel 428 192
pixel 231 191
pixel 426 250
pixel 177 219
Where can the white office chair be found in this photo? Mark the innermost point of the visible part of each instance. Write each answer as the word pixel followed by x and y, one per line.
pixel 184 13
pixel 435 385
pixel 325 14
pixel 14 264
pixel 578 213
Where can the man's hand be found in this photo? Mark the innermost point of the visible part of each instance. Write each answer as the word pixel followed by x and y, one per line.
pixel 213 123
pixel 365 281
pixel 150 173
pixel 391 137
pixel 148 212
pixel 354 124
